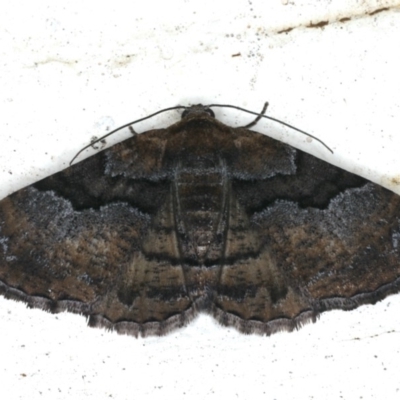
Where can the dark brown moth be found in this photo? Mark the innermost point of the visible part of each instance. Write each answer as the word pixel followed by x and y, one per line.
pixel 200 216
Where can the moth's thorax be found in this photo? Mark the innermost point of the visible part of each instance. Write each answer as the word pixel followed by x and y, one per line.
pixel 199 136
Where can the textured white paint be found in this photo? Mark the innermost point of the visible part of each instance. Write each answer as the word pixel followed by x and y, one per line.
pixel 71 70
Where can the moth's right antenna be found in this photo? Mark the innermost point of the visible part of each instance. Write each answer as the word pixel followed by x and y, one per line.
pixel 262 115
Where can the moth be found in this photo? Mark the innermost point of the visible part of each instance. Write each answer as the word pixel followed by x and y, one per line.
pixel 200 217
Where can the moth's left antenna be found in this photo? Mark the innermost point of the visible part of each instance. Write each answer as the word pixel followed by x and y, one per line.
pixel 122 127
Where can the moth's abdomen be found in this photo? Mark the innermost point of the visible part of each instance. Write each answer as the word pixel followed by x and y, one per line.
pixel 200 195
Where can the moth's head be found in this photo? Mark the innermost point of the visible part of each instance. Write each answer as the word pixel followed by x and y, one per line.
pixel 197 111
